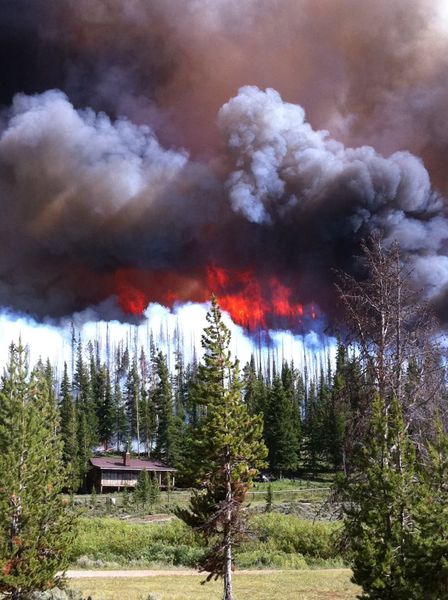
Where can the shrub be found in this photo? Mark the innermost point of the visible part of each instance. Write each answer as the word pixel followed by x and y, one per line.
pixel 292 535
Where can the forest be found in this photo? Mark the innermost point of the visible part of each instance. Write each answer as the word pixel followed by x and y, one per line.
pixel 375 419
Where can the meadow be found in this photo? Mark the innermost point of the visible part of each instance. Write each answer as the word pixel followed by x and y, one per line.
pixel 329 584
pixel 274 540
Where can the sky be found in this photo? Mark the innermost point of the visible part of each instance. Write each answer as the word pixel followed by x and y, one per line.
pixel 153 153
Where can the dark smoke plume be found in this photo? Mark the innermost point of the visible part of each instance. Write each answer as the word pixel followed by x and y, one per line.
pixel 103 206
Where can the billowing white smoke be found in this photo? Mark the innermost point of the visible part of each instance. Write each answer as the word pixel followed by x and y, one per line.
pixel 84 194
pixel 277 153
pixel 71 183
pixel 171 331
pixel 83 155
pixel 283 168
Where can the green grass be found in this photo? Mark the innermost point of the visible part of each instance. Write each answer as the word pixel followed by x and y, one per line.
pixel 292 490
pixel 287 585
pixel 314 491
pixel 108 540
pixel 276 541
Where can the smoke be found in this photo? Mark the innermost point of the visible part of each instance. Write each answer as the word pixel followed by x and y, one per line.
pixel 283 165
pixel 337 131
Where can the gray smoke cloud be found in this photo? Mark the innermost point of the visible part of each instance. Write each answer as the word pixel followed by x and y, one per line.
pixel 79 193
pixel 279 155
pixel 284 167
pixel 85 196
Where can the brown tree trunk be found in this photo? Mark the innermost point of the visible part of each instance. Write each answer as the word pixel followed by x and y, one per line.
pixel 228 592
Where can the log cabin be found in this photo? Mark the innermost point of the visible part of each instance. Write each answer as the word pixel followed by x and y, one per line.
pixel 115 473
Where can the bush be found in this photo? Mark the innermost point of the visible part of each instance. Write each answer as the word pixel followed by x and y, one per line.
pixel 291 535
pixel 110 540
pixel 266 557
pixel 277 541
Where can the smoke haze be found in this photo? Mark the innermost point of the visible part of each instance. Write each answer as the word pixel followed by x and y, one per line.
pixel 144 142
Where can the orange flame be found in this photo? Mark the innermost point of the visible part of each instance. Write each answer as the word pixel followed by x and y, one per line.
pixel 252 302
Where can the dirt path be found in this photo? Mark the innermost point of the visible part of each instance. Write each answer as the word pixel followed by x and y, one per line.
pixel 92 574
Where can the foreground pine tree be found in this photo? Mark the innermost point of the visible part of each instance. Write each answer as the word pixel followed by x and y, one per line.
pixel 427 569
pixel 227 443
pixel 395 487
pixel 36 525
pixel 379 506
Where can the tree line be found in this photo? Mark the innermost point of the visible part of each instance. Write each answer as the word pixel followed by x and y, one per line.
pixel 377 417
pixel 136 401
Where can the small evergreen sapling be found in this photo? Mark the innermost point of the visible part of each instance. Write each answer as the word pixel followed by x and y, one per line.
pixel 143 489
pixel 154 491
pixel 269 499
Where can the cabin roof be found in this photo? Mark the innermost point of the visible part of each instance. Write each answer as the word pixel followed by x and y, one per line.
pixel 115 463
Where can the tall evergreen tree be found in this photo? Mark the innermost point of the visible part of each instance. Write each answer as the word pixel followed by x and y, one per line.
pixel 427 567
pixel 86 413
pixel 255 392
pixel 379 504
pixel 68 430
pixel 169 427
pixel 121 427
pixel 281 430
pixel 105 406
pixel 133 403
pixel 36 526
pixel 49 375
pixel 229 442
pixel 293 394
pixel 180 385
pixel 338 414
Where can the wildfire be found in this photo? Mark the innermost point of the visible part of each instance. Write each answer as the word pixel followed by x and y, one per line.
pixel 252 302
pixel 136 288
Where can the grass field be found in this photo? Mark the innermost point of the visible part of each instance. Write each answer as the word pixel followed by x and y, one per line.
pixel 331 584
pixel 284 490
pixel 276 541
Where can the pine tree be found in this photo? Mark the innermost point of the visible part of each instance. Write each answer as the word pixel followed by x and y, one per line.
pixel 180 385
pixel 143 489
pixel 105 406
pixel 50 378
pixel 154 494
pixel 133 403
pixel 427 569
pixel 313 429
pixel 84 448
pixel 255 393
pixel 68 431
pixel 379 506
pixel 269 498
pixel 86 414
pixel 288 377
pixel 169 427
pixel 229 441
pixel 281 432
pixel 36 525
pixel 148 419
pixel 121 423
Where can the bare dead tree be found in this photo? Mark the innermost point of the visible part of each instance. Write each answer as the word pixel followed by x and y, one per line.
pixel 395 337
